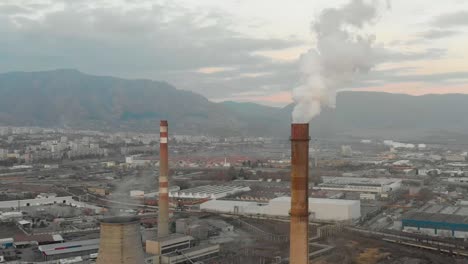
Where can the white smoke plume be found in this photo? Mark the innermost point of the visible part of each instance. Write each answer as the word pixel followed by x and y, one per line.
pixel 342 53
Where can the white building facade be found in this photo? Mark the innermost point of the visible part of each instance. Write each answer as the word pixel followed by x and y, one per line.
pixel 320 209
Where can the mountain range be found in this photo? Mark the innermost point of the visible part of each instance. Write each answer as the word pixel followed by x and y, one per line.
pixel 69 98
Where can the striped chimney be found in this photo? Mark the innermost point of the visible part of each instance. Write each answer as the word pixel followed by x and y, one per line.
pixel 299 226
pixel 163 219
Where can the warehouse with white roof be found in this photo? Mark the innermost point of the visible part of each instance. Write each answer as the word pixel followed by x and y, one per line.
pixel 359 184
pixel 320 209
pixel 209 191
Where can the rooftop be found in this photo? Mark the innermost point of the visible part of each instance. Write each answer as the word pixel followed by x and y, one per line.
pixel 71 250
pixel 62 246
pixel 439 213
pixel 120 220
pixel 359 181
pixel 436 217
pixel 317 200
pixel 174 237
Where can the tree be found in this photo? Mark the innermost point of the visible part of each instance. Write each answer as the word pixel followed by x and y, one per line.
pixel 232 173
pixel 241 173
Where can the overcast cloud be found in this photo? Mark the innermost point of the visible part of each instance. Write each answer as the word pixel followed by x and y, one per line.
pixel 458 18
pixel 205 48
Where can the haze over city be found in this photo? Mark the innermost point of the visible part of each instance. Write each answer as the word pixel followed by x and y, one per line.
pixel 233 132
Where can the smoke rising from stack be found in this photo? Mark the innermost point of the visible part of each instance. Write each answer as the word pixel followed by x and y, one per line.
pixel 342 53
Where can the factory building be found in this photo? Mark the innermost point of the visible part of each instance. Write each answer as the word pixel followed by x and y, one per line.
pixel 320 209
pixel 22 240
pixel 178 248
pixel 192 255
pixel 136 161
pixel 458 180
pixel 209 191
pixel 6 243
pixel 172 189
pixel 168 244
pixel 11 216
pixel 69 249
pixel 65 200
pixel 437 220
pixel 356 184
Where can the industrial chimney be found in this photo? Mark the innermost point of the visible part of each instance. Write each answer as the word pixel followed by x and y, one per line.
pixel 120 241
pixel 299 227
pixel 163 219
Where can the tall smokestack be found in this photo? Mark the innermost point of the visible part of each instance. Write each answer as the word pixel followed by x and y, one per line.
pixel 120 241
pixel 299 240
pixel 163 219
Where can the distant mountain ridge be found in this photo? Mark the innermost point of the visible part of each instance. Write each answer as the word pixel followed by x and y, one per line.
pixel 74 99
pixel 71 98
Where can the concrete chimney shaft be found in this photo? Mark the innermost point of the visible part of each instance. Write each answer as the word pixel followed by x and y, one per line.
pixel 299 226
pixel 163 204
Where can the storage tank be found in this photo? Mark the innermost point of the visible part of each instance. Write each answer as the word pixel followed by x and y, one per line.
pixel 120 241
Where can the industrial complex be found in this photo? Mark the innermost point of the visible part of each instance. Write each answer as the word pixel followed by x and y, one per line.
pixel 257 205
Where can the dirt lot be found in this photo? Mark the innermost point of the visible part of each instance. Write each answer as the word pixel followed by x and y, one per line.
pixel 8 230
pixel 353 249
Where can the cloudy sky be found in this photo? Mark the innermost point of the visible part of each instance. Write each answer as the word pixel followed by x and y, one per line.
pixel 245 50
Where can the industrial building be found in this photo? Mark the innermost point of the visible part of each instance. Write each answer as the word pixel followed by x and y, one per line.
pixel 458 180
pixel 192 255
pixel 65 200
pixel 6 243
pixel 178 248
pixel 172 188
pixel 69 249
pixel 9 216
pixel 320 209
pixel 168 244
pixel 22 240
pixel 357 184
pixel 436 220
pixel 136 161
pixel 209 191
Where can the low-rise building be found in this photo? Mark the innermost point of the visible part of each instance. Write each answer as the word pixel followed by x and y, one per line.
pixel 69 249
pixel 320 209
pixel 209 191
pixel 437 220
pixel 356 184
pixel 192 255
